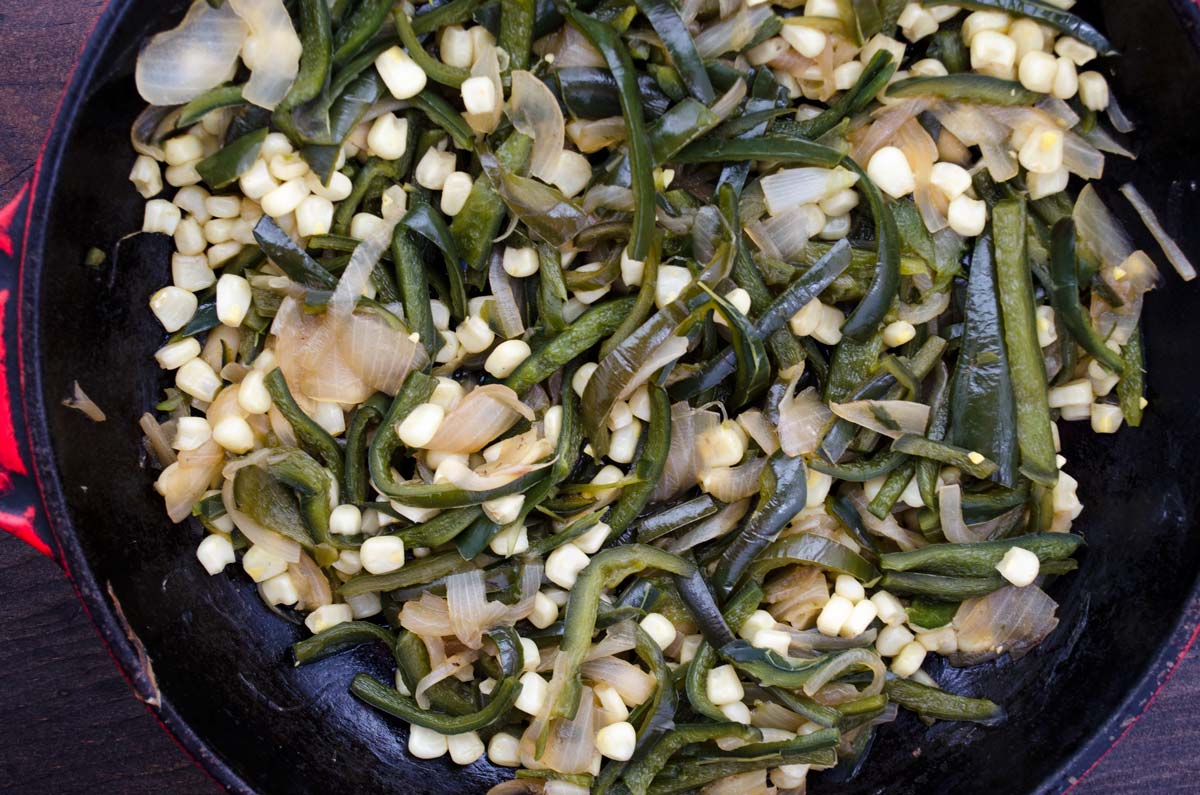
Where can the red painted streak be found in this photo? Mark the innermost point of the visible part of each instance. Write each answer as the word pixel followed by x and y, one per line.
pixel 21 526
pixel 11 462
pixel 7 216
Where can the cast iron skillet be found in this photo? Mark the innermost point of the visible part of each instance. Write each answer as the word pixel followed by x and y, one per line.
pixel 214 664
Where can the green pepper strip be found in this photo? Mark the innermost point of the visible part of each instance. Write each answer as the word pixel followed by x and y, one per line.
pixel 226 96
pixel 810 550
pixel 287 254
pixel 1064 269
pixel 455 12
pixel 316 55
pixel 222 168
pixel 516 30
pixel 443 114
pixel 967 88
pixel 874 79
pixel 416 572
pixel 862 470
pixel 389 700
pixel 775 149
pixel 693 774
pixel 353 33
pixel 1054 17
pixel 606 569
pixel 946 453
pixel 939 420
pixel 871 310
pixel 983 414
pixel 312 437
pixel 414 289
pixel 441 529
pixel 478 223
pixel 956 589
pixel 339 638
pixel 675 518
pixel 355 477
pixel 929 702
pixel 782 495
pixel 345 112
pixel 644 305
pixel 737 609
pixel 438 72
pixel 641 772
pixel 641 163
pixel 314 486
pixel 979 560
pixel 416 390
pixel 895 484
pixel 680 46
pixel 270 504
pixel 591 327
pixel 650 464
pixel 448 695
pixel 1034 435
pixel 1131 386
pixel 930 613
pixel 428 222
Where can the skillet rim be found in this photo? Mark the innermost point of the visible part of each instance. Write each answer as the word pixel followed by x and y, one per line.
pixel 105 614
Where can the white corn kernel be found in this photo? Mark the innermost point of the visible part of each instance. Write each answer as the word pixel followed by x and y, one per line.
pixel 1028 37
pixel 808 41
pixel 659 628
pixel 916 22
pixel 943 640
pixel 275 143
pixel 223 206
pixel 611 701
pixel 284 199
pixel 173 307
pixel 507 357
pixel 928 67
pixel 1093 91
pixel 829 326
pixel 1102 380
pixel 446 393
pixel 426 743
pixel 722 446
pixel 552 424
pixel 176 354
pixel 622 446
pixel 1036 71
pixel 1019 566
pixel 512 540
pixel 1074 49
pixel 791 777
pixel 774 640
pixel 182 149
pixel 806 319
pixel 968 217
pixel 455 190
pixel 1046 331
pixel 689 647
pixel 860 618
pixel 475 335
pixel 591 541
pixel 1042 185
pixel 892 639
pixel 890 171
pixel 215 552
pixel 818 488
pixel 756 622
pixel 1042 153
pixel 388 137
pixel 504 750
pixel 183 175
pixel 234 434
pixel 579 381
pixel 465 749
pixel 346 520
pixel 189 240
pixel 1073 393
pixel 456 47
pixel 822 8
pixel 286 167
pixel 221 253
pixel 503 510
pixel 993 53
pixel 833 615
pixel 898 333
pixel 327 616
pixel 878 43
pixel 190 272
pixel 330 417
pixel 545 612
pixel 888 608
pixel 564 564
pixel 533 693
pixel 400 73
pixel 639 403
pixel 314 216
pixel 846 75
pixel 617 741
pixel 161 216
pixel 981 21
pixel 252 394
pixel 421 424
pixel 1066 79
pixel 723 686
pixel 479 95
pixel 672 281
pixel 233 299
pixel 1106 418
pixel 257 181
pixel 191 433
pixel 951 179
pixel 349 562
pixel 261 565
pixel 146 177
pixel 849 587
pixel 520 262
pixel 382 554
pixel 197 379
pixel 364 605
pixel 619 416
pixel 531 655
pixel 362 225
pixel 280 590
pixel 339 186
pixel 908 661
pixel 737 712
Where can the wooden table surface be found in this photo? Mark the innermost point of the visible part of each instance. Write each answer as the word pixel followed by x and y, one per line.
pixel 68 721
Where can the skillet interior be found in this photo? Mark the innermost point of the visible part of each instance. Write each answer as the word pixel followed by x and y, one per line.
pixel 221 658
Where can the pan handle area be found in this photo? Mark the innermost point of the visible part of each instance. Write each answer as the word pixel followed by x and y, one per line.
pixel 21 511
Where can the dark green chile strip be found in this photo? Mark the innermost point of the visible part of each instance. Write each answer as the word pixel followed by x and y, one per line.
pixel 287 254
pixel 1064 270
pixel 204 320
pixel 389 700
pixel 693 774
pixel 449 695
pixel 801 704
pixel 478 223
pixel 939 420
pixel 966 88
pixel 314 439
pixel 811 550
pixel 271 504
pixel 472 541
pixel 665 522
pixel 862 470
pixel 445 495
pixel 414 289
pixel 428 222
pixel 776 149
pixel 946 453
pixel 441 529
pixel 702 605
pixel 592 326
pixel 434 68
pixel 1043 12
pixel 443 114
pixel 737 609
pixel 1131 386
pixel 656 446
pixel 356 478
pixel 753 373
pixel 873 80
pixel 591 93
pixel 316 55
pixel 339 638
pixel 227 96
pixel 516 31
pixel 979 560
pixel 352 34
pixel 641 164
pixel 853 362
pixel 313 486
pixel 1025 359
pixel 641 772
pixel 416 390
pixel 929 702
pixel 679 45
pixel 222 168
pixel 366 176
pixel 606 569
pixel 869 313
pixel 883 502
pixel 416 572
pixel 839 505
pixel 956 589
pixel 772 670
pixel 428 19
pixel 782 494
pixel 983 414
pixel 345 112
pixel 931 613
pixel 947 46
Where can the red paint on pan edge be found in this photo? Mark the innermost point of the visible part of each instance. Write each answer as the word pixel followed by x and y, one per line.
pixel 21 526
pixel 7 216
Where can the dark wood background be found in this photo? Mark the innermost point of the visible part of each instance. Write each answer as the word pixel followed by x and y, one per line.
pixel 68 721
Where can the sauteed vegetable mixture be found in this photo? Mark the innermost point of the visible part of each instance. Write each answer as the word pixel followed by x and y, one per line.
pixel 661 383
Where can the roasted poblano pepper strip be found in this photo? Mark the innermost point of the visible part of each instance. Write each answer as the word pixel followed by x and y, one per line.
pixel 979 560
pixel 811 550
pixel 339 638
pixel 449 695
pixel 1045 13
pixel 966 88
pixel 416 390
pixel 862 470
pixel 737 609
pixel 222 169
pixel 430 17
pixel 1064 269
pixel 781 150
pixel 591 93
pixel 422 572
pixel 434 68
pixel 972 462
pixel 929 471
pixel 689 775
pixel 312 437
pixel 269 503
pixel 874 79
pixel 314 486
pixel 591 327
pixel 1025 359
pixel 869 313
pixel 893 486
pixel 516 30
pixel 414 289
pixel 290 257
pixel 930 613
pixel 353 33
pixel 641 772
pixel 774 670
pixel 956 589
pixel 679 45
pixel 355 477
pixel 478 223
pixel 226 96
pixel 316 55
pixel 929 702
pixel 676 517
pixel 644 305
pixel 1131 386
pixel 649 467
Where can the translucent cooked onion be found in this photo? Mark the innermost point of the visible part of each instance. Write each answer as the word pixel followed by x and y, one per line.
pixel 179 65
pixel 887 121
pixel 271 542
pixel 569 48
pixel 887 527
pixel 271 52
pixel 932 305
pixel 451 666
pixel 892 418
pixel 670 350
pixel 428 616
pixel 796 595
pixel 732 33
pixel 486 477
pixel 160 445
pixel 715 526
pixel 570 744
pixel 803 421
pixel 185 481
pixel 487 64
pixel 632 683
pixel 592 135
pixel 730 484
pixel 951 516
pixel 1174 253
pixel 1081 158
pixel 1099 231
pixel 311 584
pixel 470 611
pixel 682 467
pixel 508 313
pixel 790 187
pixel 758 428
pixel 481 416
pixel 534 111
pixel 1010 621
pixel 854 659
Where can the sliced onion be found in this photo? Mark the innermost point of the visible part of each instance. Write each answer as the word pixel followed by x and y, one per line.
pixel 951 516
pixel 470 611
pixel 452 665
pixel 185 481
pixel 180 64
pixel 482 415
pixel 730 484
pixel 796 595
pixel 160 445
pixel 608 197
pixel 1001 163
pixel 887 122
pixel 428 617
pixel 848 660
pixel 271 542
pixel 508 313
pixel 670 350
pixel 570 744
pixel 970 124
pixel 790 187
pixel 932 305
pixel 1060 110
pixel 632 683
pixel 534 111
pixel 715 526
pixel 311 584
pixel 1081 158
pixel 887 527
pixel 487 64
pixel 486 477
pixel 805 642
pixel 728 102
pixel 803 421
pixel 752 782
pixel 569 48
pixel 1099 230
pixel 149 128
pixel 1174 253
pixel 271 52
pixel 1102 140
pixel 682 464
pixel 758 428
pixel 1010 621
pixel 592 135
pixel 1116 115
pixel 733 33
pixel 892 418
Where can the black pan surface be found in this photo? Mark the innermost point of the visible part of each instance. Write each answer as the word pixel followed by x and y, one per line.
pixel 215 663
